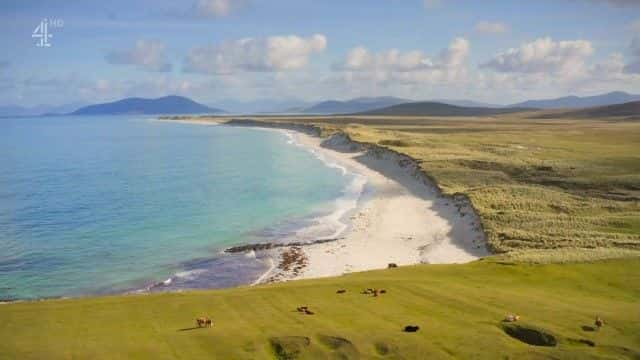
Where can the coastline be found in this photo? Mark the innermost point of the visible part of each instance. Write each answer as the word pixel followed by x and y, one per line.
pixel 405 221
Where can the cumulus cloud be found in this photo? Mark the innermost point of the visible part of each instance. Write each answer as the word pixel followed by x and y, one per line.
pixel 491 27
pixel 217 8
pixel 543 56
pixel 275 53
pixel 361 59
pixel 146 55
pixel 364 70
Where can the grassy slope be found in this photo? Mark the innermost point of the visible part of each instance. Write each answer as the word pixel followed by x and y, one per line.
pixel 536 184
pixel 458 307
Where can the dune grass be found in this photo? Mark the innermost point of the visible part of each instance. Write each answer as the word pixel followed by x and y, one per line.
pixel 459 309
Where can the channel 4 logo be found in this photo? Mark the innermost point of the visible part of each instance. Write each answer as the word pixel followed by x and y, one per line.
pixel 42 32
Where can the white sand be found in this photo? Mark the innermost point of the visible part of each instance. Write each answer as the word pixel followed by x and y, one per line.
pixel 405 222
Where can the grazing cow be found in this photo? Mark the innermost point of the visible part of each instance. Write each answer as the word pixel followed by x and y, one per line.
pixel 201 322
pixel 375 292
pixel 392 265
pixel 383 291
pixel 308 312
pixel 208 322
pixel 512 318
pixel 302 308
pixel 599 322
pixel 411 328
pixel 341 291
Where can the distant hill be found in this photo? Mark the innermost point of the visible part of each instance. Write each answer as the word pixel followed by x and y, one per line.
pixel 429 108
pixel 354 105
pixel 163 105
pixel 573 102
pixel 14 110
pixel 264 105
pixel 466 103
pixel 630 110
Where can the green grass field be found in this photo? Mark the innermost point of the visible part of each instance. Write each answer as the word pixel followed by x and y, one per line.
pixel 459 309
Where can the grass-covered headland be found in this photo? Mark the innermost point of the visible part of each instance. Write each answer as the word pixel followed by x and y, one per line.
pixel 558 199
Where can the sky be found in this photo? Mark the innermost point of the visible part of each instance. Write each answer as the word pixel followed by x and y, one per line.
pixel 210 50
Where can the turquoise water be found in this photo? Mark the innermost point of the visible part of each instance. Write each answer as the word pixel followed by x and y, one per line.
pixel 94 205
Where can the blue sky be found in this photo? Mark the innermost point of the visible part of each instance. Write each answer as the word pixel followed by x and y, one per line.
pixel 210 50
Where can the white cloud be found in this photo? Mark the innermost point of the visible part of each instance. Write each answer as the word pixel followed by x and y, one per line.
pixel 146 54
pixel 491 27
pixel 362 71
pixel 361 59
pixel 612 65
pixel 275 53
pixel 456 54
pixel 543 56
pixel 217 8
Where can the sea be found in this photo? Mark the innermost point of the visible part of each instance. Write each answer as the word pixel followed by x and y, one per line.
pixel 116 204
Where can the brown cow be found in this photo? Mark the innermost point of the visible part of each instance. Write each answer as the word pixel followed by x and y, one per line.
pixel 599 322
pixel 204 322
pixel 201 322
pixel 511 318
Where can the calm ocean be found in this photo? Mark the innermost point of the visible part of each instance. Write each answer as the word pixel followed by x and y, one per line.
pixel 93 205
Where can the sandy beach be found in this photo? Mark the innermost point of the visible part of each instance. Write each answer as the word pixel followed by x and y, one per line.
pixel 405 221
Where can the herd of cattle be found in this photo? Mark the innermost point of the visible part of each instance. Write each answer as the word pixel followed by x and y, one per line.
pixel 206 322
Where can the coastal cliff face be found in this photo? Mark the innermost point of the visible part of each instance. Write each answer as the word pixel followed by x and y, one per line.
pixel 342 142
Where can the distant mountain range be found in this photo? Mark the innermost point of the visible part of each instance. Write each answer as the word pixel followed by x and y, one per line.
pixel 466 103
pixel 164 105
pixel 629 110
pixel 352 106
pixel 262 106
pixel 574 102
pixel 183 105
pixel 13 110
pixel 431 108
